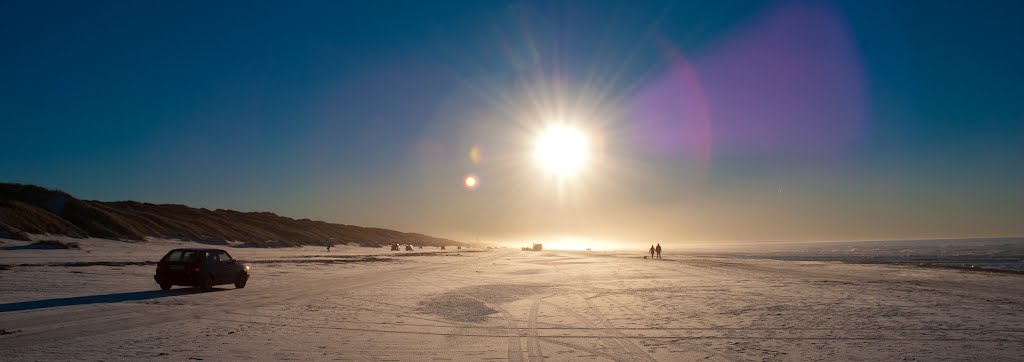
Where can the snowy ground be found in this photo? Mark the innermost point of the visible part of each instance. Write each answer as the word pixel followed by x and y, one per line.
pixel 372 304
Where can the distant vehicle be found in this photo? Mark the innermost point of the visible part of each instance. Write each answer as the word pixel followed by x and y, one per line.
pixel 202 268
pixel 408 248
pixel 442 247
pixel 394 247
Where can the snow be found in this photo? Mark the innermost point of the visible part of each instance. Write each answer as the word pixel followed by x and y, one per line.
pixel 357 303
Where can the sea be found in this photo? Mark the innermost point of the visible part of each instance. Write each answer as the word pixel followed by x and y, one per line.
pixel 984 254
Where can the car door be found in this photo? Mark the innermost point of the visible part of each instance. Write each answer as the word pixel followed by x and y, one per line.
pixel 231 267
pixel 215 266
pixel 227 267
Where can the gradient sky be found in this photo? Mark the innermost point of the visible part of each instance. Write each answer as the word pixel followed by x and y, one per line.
pixel 731 120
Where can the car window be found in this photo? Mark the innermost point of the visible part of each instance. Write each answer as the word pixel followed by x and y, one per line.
pixel 224 257
pixel 218 256
pixel 189 257
pixel 173 256
pixel 179 256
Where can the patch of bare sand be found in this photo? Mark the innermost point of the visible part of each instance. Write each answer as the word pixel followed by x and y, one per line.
pixel 471 304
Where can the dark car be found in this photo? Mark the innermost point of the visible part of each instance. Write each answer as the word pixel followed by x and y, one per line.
pixel 201 268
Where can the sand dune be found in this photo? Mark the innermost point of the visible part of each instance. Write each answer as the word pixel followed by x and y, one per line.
pixel 37 210
pixel 373 304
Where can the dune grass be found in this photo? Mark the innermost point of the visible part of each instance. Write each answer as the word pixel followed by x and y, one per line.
pixel 36 210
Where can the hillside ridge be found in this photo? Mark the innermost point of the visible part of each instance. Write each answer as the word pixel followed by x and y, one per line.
pixel 37 210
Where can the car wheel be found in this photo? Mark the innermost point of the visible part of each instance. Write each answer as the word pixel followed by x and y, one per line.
pixel 165 286
pixel 207 284
pixel 240 283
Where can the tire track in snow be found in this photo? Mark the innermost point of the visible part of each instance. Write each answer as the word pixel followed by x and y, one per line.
pixel 515 346
pixel 533 343
pixel 626 343
pixel 591 325
pixel 642 316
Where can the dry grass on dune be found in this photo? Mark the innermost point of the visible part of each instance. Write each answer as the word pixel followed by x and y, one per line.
pixel 19 216
pixel 36 210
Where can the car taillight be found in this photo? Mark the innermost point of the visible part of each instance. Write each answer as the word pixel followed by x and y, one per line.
pixel 195 269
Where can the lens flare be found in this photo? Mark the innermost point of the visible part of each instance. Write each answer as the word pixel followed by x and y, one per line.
pixel 474 154
pixel 471 182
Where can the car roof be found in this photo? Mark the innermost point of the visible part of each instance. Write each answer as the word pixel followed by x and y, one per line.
pixel 197 249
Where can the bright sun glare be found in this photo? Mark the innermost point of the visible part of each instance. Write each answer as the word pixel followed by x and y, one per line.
pixel 562 150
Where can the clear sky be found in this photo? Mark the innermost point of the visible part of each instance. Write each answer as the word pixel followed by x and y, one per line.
pixel 707 120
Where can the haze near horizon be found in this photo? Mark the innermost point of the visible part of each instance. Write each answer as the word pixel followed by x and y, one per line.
pixel 504 121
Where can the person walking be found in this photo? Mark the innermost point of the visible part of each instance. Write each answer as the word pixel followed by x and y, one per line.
pixel 658 250
pixel 652 251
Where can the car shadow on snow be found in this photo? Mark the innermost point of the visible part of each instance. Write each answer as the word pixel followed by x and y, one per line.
pixel 98 299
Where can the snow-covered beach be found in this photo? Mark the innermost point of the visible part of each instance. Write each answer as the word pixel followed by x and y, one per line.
pixel 354 303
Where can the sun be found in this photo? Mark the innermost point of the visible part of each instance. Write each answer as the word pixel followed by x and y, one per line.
pixel 562 150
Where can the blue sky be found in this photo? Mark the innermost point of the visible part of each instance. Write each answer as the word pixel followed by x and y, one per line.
pixel 738 120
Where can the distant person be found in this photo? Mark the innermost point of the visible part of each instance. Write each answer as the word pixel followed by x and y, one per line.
pixel 652 251
pixel 328 248
pixel 658 250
